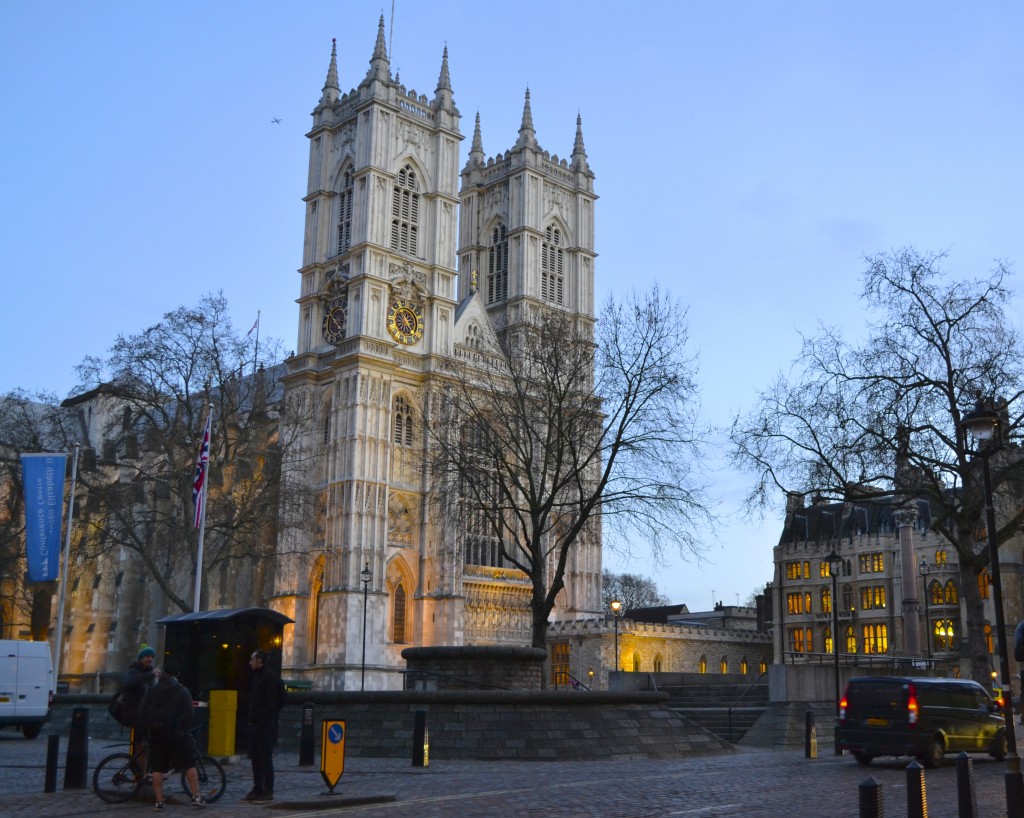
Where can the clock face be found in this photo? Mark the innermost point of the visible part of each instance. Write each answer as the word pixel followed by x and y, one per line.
pixel 335 321
pixel 405 321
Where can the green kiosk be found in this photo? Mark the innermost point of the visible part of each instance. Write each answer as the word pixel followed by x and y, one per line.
pixel 213 649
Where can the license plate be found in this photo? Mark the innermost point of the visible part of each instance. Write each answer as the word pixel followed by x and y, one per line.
pixel 876 722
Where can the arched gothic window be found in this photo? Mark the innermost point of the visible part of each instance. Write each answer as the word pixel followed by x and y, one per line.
pixel 497 265
pixel 951 596
pixel 847 598
pixel 552 275
pixel 985 583
pixel 657 663
pixel 405 212
pixel 398 615
pixel 723 664
pixel 744 669
pixel 935 592
pixel 944 635
pixel 851 640
pixel 826 600
pixel 826 637
pixel 403 422
pixel 345 212
pixel 702 666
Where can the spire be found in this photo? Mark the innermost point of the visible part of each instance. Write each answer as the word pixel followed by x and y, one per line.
pixel 331 88
pixel 443 92
pixel 476 150
pixel 380 68
pixel 527 136
pixel 579 153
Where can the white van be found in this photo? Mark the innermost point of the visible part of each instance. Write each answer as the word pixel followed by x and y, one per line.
pixel 26 685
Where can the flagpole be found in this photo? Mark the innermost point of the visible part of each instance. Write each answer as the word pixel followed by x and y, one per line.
pixel 62 571
pixel 196 592
pixel 256 355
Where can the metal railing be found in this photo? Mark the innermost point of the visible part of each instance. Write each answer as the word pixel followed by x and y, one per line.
pixel 737 701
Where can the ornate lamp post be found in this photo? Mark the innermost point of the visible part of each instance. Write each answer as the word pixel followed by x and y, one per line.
pixel 983 426
pixel 927 617
pixel 364 576
pixel 616 607
pixel 835 564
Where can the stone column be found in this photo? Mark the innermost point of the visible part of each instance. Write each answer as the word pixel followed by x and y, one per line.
pixel 905 519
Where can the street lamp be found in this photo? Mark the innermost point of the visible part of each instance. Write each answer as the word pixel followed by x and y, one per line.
pixel 616 607
pixel 365 576
pixel 927 617
pixel 983 426
pixel 835 564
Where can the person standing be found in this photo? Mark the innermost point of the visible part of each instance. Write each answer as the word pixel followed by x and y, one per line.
pixel 266 698
pixel 167 714
pixel 140 676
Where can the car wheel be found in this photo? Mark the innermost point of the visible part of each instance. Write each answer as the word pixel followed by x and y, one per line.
pixel 863 758
pixel 32 730
pixel 1000 746
pixel 933 756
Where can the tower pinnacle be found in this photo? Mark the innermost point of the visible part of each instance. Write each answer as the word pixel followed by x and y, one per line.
pixel 476 150
pixel 331 88
pixel 579 153
pixel 380 67
pixel 443 92
pixel 527 136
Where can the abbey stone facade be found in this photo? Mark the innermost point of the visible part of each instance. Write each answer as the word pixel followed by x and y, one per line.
pixel 405 263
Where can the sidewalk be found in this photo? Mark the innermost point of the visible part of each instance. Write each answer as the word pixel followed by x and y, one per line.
pixel 767 784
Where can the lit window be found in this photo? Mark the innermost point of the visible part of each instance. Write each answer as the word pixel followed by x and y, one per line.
pixel 988 638
pixel 951 595
pixel 985 583
pixel 398 615
pixel 743 666
pixel 796 640
pixel 945 636
pixel 876 639
pixel 795 603
pixel 851 640
pixel 807 570
pixel 826 600
pixel 827 640
pixel 724 664
pixel 702 666
pixel 941 557
pixel 762 666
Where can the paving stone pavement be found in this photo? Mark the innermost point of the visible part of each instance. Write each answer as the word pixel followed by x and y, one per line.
pixel 745 783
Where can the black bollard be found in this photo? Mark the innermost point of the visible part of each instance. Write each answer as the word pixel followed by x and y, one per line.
pixel 917 797
pixel 52 753
pixel 76 767
pixel 810 735
pixel 306 736
pixel 966 798
pixel 869 796
pixel 420 740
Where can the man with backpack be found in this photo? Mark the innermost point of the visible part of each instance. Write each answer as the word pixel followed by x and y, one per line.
pixel 167 714
pixel 128 699
pixel 266 698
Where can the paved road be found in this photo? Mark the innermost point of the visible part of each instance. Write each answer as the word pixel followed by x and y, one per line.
pixel 747 783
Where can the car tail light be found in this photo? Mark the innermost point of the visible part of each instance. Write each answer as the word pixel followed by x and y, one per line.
pixel 842 709
pixel 912 707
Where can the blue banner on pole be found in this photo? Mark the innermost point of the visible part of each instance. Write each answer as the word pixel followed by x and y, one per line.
pixel 43 475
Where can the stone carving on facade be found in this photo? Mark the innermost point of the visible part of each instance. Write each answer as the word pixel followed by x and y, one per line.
pixel 401 520
pixel 346 135
pixel 407 282
pixel 497 613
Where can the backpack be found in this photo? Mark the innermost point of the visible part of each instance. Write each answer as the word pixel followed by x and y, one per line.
pixel 161 710
pixel 118 708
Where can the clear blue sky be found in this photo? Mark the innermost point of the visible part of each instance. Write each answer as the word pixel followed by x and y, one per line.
pixel 748 155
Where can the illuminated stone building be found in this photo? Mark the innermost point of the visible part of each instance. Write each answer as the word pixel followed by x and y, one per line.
pixel 403 267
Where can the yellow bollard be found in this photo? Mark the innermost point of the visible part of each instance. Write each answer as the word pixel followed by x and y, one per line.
pixel 223 707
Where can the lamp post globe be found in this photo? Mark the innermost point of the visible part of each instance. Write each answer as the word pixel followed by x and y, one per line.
pixel 365 576
pixel 616 607
pixel 983 425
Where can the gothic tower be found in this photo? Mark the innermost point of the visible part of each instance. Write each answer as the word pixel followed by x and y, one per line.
pixel 380 304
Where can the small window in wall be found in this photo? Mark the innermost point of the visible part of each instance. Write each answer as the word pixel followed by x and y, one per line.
pixel 743 666
pixel 657 663
pixel 724 664
pixel 636 662
pixel 762 665
pixel 985 583
pixel 398 615
pixel 702 666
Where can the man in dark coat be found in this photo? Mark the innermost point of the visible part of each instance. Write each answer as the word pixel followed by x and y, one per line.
pixel 167 714
pixel 266 698
pixel 141 674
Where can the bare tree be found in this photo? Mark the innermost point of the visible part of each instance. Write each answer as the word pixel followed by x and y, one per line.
pixel 542 438
pixel 632 590
pixel 880 418
pixel 154 391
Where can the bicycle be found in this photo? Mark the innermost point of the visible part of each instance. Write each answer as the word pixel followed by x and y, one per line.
pixel 116 780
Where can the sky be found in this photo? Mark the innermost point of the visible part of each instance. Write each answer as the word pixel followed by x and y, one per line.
pixel 748 156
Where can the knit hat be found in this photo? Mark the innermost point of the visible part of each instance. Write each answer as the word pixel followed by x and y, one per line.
pixel 145 651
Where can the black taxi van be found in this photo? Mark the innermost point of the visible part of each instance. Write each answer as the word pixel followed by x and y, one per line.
pixel 926 718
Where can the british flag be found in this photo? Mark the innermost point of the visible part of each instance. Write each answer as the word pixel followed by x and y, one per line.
pixel 202 465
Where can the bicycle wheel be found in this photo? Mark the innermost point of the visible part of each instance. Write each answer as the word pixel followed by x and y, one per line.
pixel 212 780
pixel 114 780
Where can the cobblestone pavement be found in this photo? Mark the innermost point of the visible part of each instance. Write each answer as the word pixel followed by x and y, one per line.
pixel 747 783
